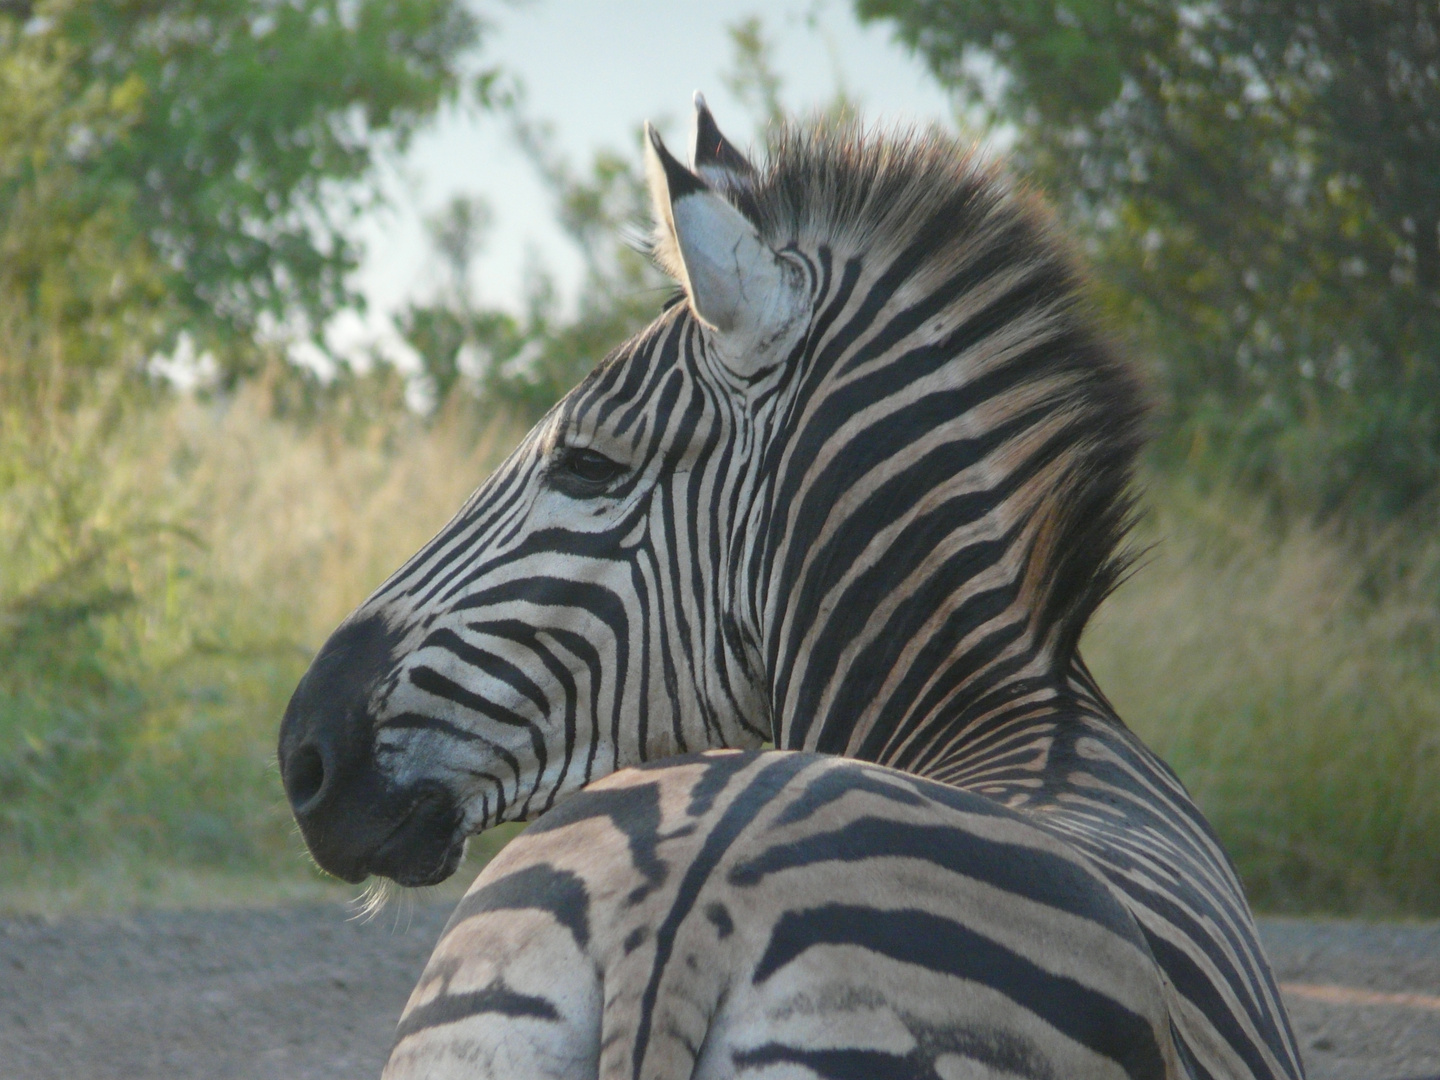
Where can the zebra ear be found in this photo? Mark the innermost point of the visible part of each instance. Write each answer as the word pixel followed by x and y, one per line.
pixel 713 156
pixel 735 281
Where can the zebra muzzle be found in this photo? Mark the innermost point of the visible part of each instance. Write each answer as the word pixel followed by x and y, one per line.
pixel 355 821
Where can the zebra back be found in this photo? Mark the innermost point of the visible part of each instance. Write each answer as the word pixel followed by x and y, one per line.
pixel 734 914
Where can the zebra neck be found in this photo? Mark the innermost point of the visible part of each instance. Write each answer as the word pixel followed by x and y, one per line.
pixel 1005 750
pixel 905 619
pixel 943 494
pixel 913 597
pixel 914 662
pixel 945 719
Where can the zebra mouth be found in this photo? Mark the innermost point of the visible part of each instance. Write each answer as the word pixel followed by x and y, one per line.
pixel 426 845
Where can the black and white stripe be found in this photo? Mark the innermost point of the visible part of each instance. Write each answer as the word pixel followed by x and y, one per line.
pixel 787 914
pixel 857 495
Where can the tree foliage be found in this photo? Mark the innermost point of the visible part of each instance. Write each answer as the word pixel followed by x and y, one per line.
pixel 753 78
pixel 525 361
pixel 1261 181
pixel 193 166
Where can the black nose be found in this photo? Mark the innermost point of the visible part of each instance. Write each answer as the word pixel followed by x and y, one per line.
pixel 327 743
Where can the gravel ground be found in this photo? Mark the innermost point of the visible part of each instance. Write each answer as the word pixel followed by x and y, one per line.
pixel 1387 1024
pixel 306 993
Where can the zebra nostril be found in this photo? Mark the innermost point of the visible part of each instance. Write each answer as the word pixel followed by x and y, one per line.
pixel 304 776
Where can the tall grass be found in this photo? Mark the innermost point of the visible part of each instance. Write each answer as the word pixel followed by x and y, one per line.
pixel 168 572
pixel 1292 679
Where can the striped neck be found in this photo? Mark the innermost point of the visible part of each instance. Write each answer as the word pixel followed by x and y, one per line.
pixel 942 498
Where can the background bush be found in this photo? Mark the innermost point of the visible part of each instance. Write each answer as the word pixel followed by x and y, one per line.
pixel 1257 182
pixel 172 569
pixel 1292 679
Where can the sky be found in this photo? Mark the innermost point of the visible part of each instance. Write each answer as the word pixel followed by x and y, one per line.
pixel 596 69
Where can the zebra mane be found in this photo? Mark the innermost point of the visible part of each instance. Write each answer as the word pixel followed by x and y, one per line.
pixel 929 205
pixel 868 189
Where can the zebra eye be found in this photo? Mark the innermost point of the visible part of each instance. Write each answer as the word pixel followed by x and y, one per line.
pixel 582 473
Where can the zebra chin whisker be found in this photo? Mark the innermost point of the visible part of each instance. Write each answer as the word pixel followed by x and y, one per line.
pixel 375 897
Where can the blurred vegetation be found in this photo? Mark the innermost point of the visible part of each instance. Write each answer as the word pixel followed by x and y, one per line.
pixel 170 560
pixel 180 179
pixel 168 573
pixel 1259 183
pixel 1292 679
pixel 522 363
pixel 193 167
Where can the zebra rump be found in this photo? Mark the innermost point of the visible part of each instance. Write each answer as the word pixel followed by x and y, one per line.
pixel 780 913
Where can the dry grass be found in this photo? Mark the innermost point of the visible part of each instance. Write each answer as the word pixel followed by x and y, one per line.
pixel 172 572
pixel 1295 687
pixel 171 569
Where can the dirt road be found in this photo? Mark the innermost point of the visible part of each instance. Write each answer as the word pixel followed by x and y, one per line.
pixel 305 993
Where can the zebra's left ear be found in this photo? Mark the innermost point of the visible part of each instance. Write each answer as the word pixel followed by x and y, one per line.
pixel 736 282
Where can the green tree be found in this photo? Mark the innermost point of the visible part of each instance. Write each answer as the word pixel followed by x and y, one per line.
pixel 194 166
pixel 753 78
pixel 526 361
pixel 1261 182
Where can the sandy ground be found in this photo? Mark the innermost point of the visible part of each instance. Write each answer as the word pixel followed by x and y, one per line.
pixel 306 992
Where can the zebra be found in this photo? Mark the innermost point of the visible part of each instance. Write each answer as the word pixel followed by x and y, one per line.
pixel 854 494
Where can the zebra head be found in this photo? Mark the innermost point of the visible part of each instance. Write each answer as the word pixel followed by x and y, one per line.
pixel 861 483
